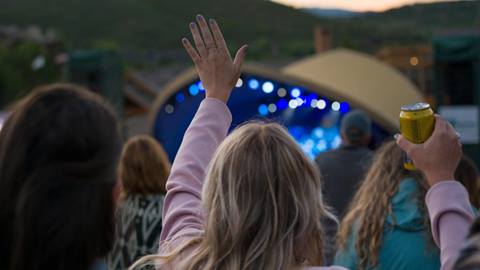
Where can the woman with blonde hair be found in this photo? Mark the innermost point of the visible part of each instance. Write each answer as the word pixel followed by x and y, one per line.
pixel 252 200
pixel 387 225
pixel 143 172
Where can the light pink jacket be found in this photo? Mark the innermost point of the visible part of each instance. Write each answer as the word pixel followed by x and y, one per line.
pixel 447 202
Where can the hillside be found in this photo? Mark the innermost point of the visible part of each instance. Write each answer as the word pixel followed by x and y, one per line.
pixel 332 12
pixel 404 26
pixel 159 24
pixel 154 27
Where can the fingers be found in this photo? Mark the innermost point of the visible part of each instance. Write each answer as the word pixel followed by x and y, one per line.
pixel 218 36
pixel 239 58
pixel 207 35
pixel 191 51
pixel 405 145
pixel 440 125
pixel 197 38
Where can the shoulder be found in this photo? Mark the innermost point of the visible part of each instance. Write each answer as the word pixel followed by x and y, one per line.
pixel 326 155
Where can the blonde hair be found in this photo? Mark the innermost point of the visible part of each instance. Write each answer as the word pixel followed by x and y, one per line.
pixel 263 205
pixel 371 204
pixel 144 166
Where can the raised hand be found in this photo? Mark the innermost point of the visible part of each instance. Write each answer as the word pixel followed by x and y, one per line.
pixel 439 156
pixel 218 72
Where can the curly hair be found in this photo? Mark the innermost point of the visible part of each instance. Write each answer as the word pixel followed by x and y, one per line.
pixel 371 204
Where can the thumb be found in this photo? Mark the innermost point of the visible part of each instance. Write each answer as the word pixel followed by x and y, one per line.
pixel 404 144
pixel 240 57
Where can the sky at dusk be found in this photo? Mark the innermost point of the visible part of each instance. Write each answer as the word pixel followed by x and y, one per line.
pixel 357 5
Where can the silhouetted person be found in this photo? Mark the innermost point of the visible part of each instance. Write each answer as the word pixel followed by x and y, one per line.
pixel 342 169
pixel 58 156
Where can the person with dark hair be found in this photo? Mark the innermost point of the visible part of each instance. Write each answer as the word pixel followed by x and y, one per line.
pixel 469 258
pixel 143 171
pixel 58 154
pixel 467 174
pixel 338 183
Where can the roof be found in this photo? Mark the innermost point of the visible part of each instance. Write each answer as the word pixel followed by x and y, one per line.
pixel 343 75
pixel 360 79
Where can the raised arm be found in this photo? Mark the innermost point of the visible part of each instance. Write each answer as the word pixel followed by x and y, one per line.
pixel 447 200
pixel 183 212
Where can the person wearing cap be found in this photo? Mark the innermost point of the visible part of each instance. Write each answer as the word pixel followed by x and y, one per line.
pixel 342 169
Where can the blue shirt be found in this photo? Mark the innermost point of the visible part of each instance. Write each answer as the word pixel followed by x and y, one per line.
pixel 406 242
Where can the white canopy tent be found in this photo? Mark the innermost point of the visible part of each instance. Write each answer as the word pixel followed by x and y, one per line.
pixel 359 79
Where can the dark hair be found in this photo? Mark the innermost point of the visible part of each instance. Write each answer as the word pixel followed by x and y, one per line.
pixel 58 153
pixel 467 174
pixel 144 166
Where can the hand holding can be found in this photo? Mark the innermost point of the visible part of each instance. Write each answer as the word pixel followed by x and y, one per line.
pixel 416 125
pixel 439 156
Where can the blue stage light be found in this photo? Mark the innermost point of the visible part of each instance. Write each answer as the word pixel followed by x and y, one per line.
pixel 263 110
pixel 253 84
pixel 292 104
pixel 282 92
pixel 169 109
pixel 200 86
pixel 193 89
pixel 239 83
pixel 295 93
pixel 336 106
pixel 299 101
pixel 282 104
pixel 272 108
pixel 310 98
pixel 268 87
pixel 344 107
pixel 318 132
pixel 322 145
pixel 180 97
pixel 321 104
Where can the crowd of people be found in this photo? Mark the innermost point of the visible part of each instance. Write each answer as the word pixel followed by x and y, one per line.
pixel 71 198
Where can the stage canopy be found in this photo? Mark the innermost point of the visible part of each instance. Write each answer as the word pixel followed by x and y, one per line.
pixel 360 79
pixel 309 97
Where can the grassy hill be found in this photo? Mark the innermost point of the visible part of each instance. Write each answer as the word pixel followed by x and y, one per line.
pixel 271 30
pixel 406 25
pixel 160 24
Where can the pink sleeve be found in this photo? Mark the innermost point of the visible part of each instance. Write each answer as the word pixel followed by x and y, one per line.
pixel 182 211
pixel 451 216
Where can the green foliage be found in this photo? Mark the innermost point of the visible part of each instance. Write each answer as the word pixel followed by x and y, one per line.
pixel 155 25
pixel 17 77
pixel 271 30
pixel 106 44
pixel 274 30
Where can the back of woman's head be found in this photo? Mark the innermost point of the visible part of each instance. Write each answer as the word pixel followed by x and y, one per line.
pixel 144 166
pixel 371 204
pixel 58 153
pixel 263 203
pixel 467 174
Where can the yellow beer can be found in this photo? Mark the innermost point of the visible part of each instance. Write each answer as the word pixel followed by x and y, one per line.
pixel 416 125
